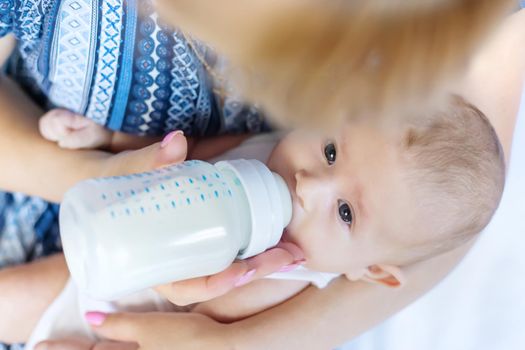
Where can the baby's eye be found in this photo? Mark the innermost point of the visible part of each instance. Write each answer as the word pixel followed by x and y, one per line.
pixel 345 212
pixel 330 153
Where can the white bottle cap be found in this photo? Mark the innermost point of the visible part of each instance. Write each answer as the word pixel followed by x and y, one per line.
pixel 270 203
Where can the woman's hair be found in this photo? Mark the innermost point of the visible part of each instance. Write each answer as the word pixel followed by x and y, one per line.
pixel 321 61
pixel 344 59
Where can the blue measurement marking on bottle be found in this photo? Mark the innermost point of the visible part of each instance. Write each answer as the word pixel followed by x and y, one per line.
pixel 146 189
pixel 128 212
pixel 177 184
pixel 216 193
pixel 202 197
pixel 157 206
pixel 119 194
pixel 188 200
pixel 104 197
pixel 230 192
pixel 142 210
pixel 162 187
pixel 132 192
pixel 190 180
pixel 217 175
pixel 112 214
pixel 173 204
pixel 204 178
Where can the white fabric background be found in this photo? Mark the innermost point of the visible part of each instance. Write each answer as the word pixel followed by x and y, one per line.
pixel 481 304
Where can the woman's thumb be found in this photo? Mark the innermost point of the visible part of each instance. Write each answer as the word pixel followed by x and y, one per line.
pixel 126 327
pixel 173 149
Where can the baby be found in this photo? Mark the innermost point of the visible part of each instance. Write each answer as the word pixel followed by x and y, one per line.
pixel 368 202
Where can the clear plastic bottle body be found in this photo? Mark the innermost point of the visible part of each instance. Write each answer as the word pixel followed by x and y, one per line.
pixel 123 234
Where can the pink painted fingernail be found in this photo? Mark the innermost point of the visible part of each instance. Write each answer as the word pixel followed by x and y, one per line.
pixel 299 262
pixel 245 278
pixel 95 318
pixel 292 266
pixel 167 139
pixel 288 268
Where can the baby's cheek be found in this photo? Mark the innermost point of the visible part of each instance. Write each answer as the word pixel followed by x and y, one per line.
pixel 322 251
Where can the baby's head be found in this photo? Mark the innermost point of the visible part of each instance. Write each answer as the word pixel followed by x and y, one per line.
pixel 368 201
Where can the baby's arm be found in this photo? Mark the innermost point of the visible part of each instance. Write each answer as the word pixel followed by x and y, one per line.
pixel 205 148
pixel 324 319
pixel 72 131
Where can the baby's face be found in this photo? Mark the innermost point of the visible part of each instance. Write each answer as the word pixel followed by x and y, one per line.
pixel 349 198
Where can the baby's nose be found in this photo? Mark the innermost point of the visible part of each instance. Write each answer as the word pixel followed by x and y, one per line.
pixel 307 188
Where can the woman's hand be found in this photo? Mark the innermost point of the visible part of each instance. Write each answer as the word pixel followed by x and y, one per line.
pixel 181 330
pixel 284 257
pixel 172 150
pixel 157 331
pixel 150 331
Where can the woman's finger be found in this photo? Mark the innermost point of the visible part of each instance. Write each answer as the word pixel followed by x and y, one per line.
pixel 65 344
pixel 203 288
pixel 284 256
pixel 171 150
pixel 123 327
pixel 81 344
pixel 110 345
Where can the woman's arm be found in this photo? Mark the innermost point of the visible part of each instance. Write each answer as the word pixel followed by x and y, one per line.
pixel 35 166
pixel 29 163
pixel 38 167
pixel 494 81
pixel 323 319
pixel 314 319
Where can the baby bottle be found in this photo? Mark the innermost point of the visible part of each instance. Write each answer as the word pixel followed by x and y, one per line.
pixel 126 233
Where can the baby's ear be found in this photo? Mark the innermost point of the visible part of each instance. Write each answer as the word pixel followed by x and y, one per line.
pixel 386 275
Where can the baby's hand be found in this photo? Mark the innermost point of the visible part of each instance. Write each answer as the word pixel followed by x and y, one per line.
pixel 73 131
